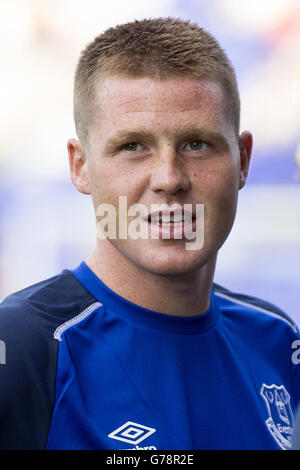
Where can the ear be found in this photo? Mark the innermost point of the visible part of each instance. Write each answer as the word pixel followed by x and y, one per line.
pixel 78 166
pixel 245 146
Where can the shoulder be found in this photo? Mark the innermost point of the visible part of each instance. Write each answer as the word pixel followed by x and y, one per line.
pixel 44 305
pixel 29 317
pixel 253 306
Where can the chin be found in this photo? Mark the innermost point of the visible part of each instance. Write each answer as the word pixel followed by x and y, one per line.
pixel 174 264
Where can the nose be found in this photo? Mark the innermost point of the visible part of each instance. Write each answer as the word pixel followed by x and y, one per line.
pixel 168 173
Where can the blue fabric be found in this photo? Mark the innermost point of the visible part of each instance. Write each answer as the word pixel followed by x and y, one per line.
pixel 220 380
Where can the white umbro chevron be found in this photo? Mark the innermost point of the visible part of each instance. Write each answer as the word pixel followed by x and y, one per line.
pixel 131 432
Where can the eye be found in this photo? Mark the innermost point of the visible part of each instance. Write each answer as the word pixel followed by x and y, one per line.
pixel 195 145
pixel 132 147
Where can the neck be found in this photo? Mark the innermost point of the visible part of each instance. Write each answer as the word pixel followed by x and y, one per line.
pixel 180 295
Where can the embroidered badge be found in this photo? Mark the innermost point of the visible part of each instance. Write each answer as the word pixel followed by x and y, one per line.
pixel 280 420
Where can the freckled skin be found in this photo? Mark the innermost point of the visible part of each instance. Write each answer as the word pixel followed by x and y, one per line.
pixel 165 170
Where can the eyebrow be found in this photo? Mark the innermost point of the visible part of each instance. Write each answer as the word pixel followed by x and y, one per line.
pixel 205 135
pixel 124 135
pixel 188 133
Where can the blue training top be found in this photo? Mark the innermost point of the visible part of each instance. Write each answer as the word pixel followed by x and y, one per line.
pixel 87 369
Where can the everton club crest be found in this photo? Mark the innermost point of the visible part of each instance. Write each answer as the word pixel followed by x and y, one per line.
pixel 280 420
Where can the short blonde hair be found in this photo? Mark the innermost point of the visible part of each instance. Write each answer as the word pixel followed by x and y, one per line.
pixel 157 48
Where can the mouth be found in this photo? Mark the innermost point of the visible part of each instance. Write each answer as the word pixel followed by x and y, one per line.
pixel 172 224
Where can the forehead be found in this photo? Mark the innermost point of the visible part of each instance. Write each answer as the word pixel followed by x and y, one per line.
pixel 158 102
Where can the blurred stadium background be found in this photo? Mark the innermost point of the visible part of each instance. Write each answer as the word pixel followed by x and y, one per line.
pixel 46 226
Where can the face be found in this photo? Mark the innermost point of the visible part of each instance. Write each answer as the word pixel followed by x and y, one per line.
pixel 163 142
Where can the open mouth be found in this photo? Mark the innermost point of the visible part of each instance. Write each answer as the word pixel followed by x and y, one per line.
pixel 172 224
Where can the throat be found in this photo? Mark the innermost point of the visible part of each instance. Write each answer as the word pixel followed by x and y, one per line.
pixel 180 296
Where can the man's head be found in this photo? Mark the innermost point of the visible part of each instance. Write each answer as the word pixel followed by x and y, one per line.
pixel 155 48
pixel 157 114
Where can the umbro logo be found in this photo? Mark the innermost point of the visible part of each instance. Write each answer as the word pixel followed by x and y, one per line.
pixel 133 433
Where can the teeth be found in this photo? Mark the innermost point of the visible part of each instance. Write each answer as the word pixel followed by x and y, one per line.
pixel 173 223
pixel 167 219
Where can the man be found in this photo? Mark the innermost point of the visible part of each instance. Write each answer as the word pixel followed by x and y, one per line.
pixel 136 348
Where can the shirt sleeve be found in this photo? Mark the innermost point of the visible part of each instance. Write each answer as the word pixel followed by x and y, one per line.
pixel 27 376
